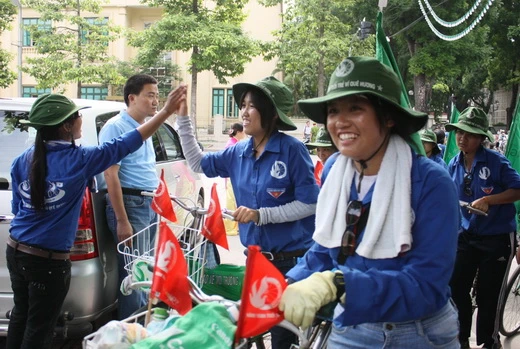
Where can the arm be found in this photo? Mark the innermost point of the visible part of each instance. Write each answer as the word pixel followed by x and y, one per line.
pixel 124 228
pixel 506 197
pixel 289 212
pixel 189 144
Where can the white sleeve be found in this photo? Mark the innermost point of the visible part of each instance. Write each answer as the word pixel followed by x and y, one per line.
pixel 289 212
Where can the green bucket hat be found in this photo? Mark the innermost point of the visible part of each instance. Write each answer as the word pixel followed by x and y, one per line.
pixel 322 139
pixel 428 136
pixel 277 92
pixel 472 120
pixel 50 109
pixel 361 75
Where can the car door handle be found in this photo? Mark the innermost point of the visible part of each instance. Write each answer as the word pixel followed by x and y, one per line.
pixel 6 218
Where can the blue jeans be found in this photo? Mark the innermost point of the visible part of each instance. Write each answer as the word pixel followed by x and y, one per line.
pixel 39 289
pixel 140 215
pixel 439 330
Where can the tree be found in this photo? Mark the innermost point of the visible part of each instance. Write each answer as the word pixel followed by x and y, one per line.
pixel 74 49
pixel 163 70
pixel 313 39
pixel 212 34
pixel 7 11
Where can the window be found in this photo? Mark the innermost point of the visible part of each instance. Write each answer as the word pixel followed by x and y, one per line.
pixel 167 144
pixel 31 91
pixel 40 25
pixel 232 107
pixel 218 101
pixel 89 30
pixel 97 93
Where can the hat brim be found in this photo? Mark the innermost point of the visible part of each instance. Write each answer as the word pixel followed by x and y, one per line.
pixel 316 145
pixel 469 129
pixel 316 108
pixel 283 121
pixel 55 122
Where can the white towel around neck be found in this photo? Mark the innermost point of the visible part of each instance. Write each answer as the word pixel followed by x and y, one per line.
pixel 388 229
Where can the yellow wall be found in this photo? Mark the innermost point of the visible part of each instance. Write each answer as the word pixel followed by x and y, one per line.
pixel 260 23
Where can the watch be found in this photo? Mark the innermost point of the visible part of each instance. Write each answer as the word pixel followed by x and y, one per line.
pixel 339 282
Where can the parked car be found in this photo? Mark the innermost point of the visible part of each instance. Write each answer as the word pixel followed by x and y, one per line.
pixel 93 289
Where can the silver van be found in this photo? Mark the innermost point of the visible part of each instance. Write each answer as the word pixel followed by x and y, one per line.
pixel 93 289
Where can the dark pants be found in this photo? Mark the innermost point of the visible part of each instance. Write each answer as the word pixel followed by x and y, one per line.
pixel 491 257
pixel 39 287
pixel 280 337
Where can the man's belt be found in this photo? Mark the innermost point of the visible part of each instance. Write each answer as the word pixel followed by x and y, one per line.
pixel 132 191
pixel 36 251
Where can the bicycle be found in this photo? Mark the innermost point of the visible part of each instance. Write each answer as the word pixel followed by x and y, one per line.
pixel 509 316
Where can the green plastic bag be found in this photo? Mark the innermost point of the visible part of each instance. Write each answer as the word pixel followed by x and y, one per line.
pixel 207 326
pixel 225 280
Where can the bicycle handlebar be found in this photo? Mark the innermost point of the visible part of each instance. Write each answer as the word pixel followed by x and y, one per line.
pixel 195 210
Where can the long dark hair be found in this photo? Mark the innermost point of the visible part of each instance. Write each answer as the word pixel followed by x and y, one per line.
pixel 38 174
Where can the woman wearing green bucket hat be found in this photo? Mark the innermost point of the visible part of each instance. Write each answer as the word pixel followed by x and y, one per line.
pixel 271 174
pixel 486 244
pixel 324 149
pixel 49 181
pixel 431 148
pixel 378 240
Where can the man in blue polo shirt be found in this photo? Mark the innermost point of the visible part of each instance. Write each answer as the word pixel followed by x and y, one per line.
pixel 486 244
pixel 127 211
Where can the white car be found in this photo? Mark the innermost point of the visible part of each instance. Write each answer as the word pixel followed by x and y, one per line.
pixel 93 289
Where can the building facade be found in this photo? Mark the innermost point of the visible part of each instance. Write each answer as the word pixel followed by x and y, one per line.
pixel 213 98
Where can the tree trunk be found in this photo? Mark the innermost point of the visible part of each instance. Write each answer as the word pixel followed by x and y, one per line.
pixel 321 68
pixel 79 62
pixel 193 101
pixel 420 92
pixel 511 109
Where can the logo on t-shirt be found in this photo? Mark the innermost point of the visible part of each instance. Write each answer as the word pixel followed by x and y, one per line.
pixel 484 173
pixel 279 170
pixel 275 192
pixel 487 190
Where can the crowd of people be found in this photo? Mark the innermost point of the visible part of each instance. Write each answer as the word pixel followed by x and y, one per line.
pixel 377 228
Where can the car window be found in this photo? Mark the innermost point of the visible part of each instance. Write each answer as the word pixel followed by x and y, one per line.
pixel 13 142
pixel 170 143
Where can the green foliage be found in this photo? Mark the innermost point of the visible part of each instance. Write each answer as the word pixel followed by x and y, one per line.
pixel 164 72
pixel 7 11
pixel 75 49
pixel 315 36
pixel 221 45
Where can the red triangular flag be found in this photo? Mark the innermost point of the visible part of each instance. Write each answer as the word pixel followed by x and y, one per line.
pixel 214 229
pixel 261 294
pixel 318 169
pixel 170 273
pixel 161 203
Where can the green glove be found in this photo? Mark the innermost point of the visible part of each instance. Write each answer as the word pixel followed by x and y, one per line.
pixel 301 301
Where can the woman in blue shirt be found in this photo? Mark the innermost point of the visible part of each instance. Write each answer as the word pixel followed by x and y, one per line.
pixel 271 174
pixel 49 181
pixel 486 180
pixel 379 248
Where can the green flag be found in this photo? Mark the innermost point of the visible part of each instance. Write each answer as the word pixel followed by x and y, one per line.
pixel 513 149
pixel 384 55
pixel 451 145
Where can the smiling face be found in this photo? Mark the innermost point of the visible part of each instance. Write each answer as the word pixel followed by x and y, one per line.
pixel 251 118
pixel 145 103
pixel 355 128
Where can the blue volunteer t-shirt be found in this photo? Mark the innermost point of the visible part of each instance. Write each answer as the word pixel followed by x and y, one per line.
pixel 491 174
pixel 282 174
